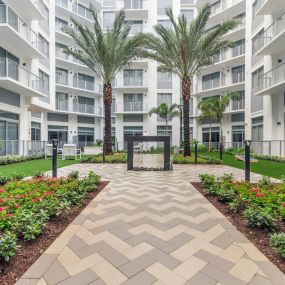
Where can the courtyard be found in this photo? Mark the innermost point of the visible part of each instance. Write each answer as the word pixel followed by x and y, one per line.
pixel 152 228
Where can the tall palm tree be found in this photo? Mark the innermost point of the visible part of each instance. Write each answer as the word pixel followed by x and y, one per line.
pixel 184 49
pixel 165 112
pixel 207 114
pixel 105 53
pixel 219 106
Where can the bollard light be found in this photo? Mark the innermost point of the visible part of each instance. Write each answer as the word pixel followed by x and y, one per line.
pixel 54 158
pixel 247 160
pixel 196 152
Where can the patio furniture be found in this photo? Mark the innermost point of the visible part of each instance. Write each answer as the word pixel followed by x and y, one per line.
pixel 70 150
pixel 138 148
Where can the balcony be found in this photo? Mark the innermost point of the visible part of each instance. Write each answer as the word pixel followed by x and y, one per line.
pixel 82 87
pixel 136 9
pixel 61 105
pixel 232 8
pixel 272 41
pixel 269 7
pixel 238 32
pixel 136 29
pixel 14 32
pixel 272 82
pixel 236 106
pixel 87 109
pixel 33 9
pixel 17 79
pixel 220 85
pixel 131 108
pixel 131 84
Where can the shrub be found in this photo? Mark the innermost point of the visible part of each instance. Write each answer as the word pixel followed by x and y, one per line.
pixel 73 174
pixel 10 159
pixel 4 179
pixel 38 174
pixel 235 205
pixel 257 217
pixel 278 242
pixel 8 245
pixel 225 194
pixel 90 182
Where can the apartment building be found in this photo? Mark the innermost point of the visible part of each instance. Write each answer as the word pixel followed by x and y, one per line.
pixel 45 94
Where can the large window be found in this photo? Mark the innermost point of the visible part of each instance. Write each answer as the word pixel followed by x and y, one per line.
pixel 133 102
pixel 35 131
pixel 136 27
pixel 84 12
pixel 211 81
pixel 165 23
pixel 61 76
pixel 44 83
pixel 215 136
pixel 85 136
pixel 83 105
pixel 238 74
pixel 43 46
pixel 162 5
pixel 108 19
pixel 237 136
pixel 133 77
pixel 256 75
pixel 164 80
pixel 133 4
pixel 61 102
pixel 60 24
pixel 132 131
pixel 83 81
pixel 9 64
pixel 257 129
pixel 164 131
pixel 58 133
pixel 239 48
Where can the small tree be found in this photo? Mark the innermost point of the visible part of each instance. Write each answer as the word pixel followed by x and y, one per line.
pixel 207 114
pixel 165 112
pixel 219 106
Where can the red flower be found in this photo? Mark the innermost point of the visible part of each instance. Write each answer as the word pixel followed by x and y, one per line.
pixel 283 205
pixel 9 215
pixel 1 209
pixel 259 195
pixel 40 178
pixel 2 190
pixel 1 200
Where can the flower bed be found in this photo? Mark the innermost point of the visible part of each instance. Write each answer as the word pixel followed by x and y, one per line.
pixel 260 207
pixel 27 206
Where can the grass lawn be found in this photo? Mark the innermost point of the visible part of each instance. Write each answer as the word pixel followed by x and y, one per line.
pixel 30 167
pixel 263 167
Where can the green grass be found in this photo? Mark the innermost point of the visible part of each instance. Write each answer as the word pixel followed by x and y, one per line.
pixel 28 168
pixel 263 167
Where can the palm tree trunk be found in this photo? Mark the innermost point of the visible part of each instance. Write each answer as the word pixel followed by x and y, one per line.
pixel 186 87
pixel 107 94
pixel 210 138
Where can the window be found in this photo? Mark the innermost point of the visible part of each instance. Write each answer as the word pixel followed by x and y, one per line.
pixel 45 11
pixel 186 2
pixel 216 7
pixel 164 131
pixel 239 48
pixel 237 136
pixel 189 14
pixel 257 129
pixel 239 117
pixel 60 24
pixel 136 27
pixel 58 133
pixel 83 81
pixel 85 136
pixel 165 23
pixel 83 105
pixel 133 4
pixel 61 76
pixel 238 74
pixel 133 77
pixel 63 3
pixel 163 98
pixel 162 5
pixel 84 12
pixel 164 80
pixel 35 131
pixel 258 41
pixel 215 136
pixel 238 104
pixel 132 131
pixel 133 102
pixel 43 46
pixel 9 64
pixel 109 3
pixel 108 19
pixel 61 102
pixel 44 82
pixel 59 51
pixel 211 81
pixel 256 82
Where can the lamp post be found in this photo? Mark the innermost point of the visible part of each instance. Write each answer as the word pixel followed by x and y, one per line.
pixel 54 158
pixel 247 160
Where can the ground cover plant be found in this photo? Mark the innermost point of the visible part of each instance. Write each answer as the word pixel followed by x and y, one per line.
pixel 202 159
pixel 118 157
pixel 26 206
pixel 260 205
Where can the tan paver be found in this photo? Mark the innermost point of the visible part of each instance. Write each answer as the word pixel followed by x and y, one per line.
pixel 152 228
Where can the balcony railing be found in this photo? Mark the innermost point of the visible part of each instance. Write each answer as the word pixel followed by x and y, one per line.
pixel 133 4
pixel 237 105
pixel 61 105
pixel 223 5
pixel 7 16
pixel 221 82
pixel 82 84
pixel 13 70
pixel 61 79
pixel 134 81
pixel 62 3
pixel 132 107
pixel 271 78
pixel 272 32
pixel 62 55
pixel 136 29
pixel 87 109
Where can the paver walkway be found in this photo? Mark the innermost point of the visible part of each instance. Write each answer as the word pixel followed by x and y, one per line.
pixel 151 228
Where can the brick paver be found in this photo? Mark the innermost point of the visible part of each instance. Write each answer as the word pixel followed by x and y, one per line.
pixel 152 228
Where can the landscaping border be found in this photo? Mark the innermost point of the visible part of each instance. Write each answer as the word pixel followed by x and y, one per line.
pixel 260 238
pixel 29 252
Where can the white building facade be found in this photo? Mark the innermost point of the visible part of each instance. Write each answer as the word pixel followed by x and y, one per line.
pixel 45 94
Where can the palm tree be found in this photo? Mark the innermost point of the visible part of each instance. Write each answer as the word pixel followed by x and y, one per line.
pixel 207 114
pixel 165 112
pixel 219 106
pixel 184 49
pixel 105 53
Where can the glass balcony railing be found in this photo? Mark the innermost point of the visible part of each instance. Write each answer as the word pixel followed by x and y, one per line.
pixel 132 107
pixel 238 78
pixel 134 81
pixel 87 109
pixel 82 84
pixel 237 105
pixel 62 3
pixel 61 79
pixel 271 33
pixel 271 78
pixel 12 70
pixel 7 16
pixel 61 105
pixel 62 55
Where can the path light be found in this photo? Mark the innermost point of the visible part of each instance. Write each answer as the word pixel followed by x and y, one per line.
pixel 196 152
pixel 54 158
pixel 247 160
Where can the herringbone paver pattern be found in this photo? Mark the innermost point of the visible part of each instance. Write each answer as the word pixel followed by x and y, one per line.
pixel 151 228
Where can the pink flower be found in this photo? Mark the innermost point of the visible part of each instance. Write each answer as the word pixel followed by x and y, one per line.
pixel 9 215
pixel 283 205
pixel 1 209
pixel 1 200
pixel 2 190
pixel 259 195
pixel 40 179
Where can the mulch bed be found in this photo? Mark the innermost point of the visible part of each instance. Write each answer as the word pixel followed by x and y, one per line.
pixel 258 237
pixel 29 252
